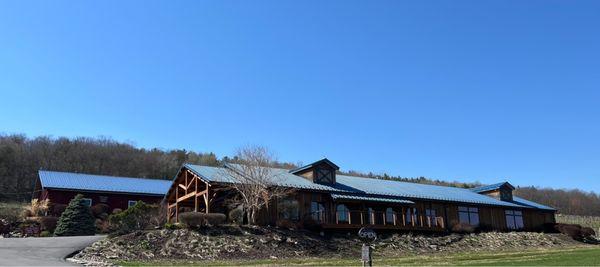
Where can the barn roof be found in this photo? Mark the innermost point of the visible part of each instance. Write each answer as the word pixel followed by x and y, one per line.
pixel 91 182
pixel 369 187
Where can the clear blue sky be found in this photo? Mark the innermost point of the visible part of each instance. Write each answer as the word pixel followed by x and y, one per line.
pixel 455 90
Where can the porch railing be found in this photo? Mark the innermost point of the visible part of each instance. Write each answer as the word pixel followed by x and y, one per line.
pixel 358 217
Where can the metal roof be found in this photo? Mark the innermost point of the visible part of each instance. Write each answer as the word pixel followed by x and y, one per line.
pixel 91 182
pixel 525 202
pixel 491 187
pixel 366 198
pixel 367 187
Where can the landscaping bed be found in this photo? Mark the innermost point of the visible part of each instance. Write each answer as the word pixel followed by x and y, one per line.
pixel 256 243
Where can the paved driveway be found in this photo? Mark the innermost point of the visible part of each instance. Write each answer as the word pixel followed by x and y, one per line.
pixel 47 251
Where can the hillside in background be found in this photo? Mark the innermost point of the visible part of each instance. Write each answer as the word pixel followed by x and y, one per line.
pixel 22 157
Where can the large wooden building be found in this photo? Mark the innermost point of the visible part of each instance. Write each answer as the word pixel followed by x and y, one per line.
pixel 346 202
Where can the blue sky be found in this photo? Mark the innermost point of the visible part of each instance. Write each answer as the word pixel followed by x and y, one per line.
pixel 455 90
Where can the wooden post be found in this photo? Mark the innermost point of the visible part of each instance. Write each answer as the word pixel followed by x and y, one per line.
pixel 337 218
pixel 395 216
pixel 384 216
pixel 403 217
pixel 362 217
pixel 177 204
pixel 349 217
pixel 372 217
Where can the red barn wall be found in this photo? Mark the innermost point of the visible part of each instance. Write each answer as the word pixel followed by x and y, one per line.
pixel 113 200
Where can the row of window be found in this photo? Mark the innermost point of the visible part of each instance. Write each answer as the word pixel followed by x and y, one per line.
pixel 88 202
pixel 289 209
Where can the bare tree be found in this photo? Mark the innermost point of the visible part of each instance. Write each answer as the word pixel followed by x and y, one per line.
pixel 256 183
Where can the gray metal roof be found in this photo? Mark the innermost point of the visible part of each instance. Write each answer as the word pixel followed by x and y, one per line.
pixel 373 199
pixel 91 182
pixel 367 187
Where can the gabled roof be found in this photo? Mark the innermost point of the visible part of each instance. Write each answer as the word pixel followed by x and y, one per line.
pixel 365 187
pixel 492 187
pixel 102 183
pixel 324 160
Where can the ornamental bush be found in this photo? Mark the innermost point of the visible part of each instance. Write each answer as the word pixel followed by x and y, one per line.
pixel 140 216
pixel 77 219
pixel 199 219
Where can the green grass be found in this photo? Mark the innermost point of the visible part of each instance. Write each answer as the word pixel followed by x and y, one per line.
pixel 555 257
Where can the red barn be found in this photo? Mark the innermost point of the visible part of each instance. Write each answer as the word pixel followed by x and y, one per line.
pixel 116 192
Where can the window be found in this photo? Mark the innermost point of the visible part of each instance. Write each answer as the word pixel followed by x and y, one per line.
pixel 103 199
pixel 131 203
pixel 289 209
pixel 317 211
pixel 506 195
pixel 342 213
pixel 431 214
pixel 468 215
pixel 389 215
pixel 370 215
pixel 87 201
pixel 410 214
pixel 514 219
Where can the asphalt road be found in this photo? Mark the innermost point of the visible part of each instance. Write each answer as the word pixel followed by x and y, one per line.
pixel 42 251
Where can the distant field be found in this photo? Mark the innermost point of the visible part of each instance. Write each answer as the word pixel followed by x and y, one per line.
pixel 589 221
pixel 556 257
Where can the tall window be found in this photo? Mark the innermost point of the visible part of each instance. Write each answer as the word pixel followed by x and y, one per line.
pixel 389 215
pixel 342 213
pixel 288 209
pixel 410 214
pixel 514 219
pixel 369 216
pixel 317 211
pixel 468 215
pixel 431 214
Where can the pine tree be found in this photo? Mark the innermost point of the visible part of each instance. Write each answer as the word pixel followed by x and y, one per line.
pixel 76 219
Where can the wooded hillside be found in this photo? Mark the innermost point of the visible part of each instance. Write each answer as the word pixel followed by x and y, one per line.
pixel 22 157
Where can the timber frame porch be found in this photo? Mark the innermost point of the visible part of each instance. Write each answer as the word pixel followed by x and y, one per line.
pixel 191 193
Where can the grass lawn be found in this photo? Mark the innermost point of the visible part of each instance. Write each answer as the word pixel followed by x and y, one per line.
pixel 555 257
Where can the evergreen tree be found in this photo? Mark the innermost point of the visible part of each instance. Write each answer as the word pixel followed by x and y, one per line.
pixel 77 219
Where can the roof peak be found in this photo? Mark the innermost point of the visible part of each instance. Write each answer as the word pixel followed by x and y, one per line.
pixel 323 160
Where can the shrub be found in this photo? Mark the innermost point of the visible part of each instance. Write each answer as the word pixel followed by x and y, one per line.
pixel 99 209
pixel 56 209
pixel 48 223
pixel 45 234
pixel 4 227
pixel 11 212
pixel 37 208
pixel 172 226
pixel 76 220
pixel 198 219
pixel 310 224
pixel 236 215
pixel 463 228
pixel 587 232
pixel 117 210
pixel 192 219
pixel 102 226
pixel 140 216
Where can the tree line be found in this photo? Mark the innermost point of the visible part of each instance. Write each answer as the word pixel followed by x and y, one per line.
pixel 21 158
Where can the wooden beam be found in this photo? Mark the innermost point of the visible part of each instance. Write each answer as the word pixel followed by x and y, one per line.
pixel 186 196
pixel 182 186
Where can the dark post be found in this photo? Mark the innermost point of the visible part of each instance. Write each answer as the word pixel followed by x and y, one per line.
pixel 368 236
pixel 366 255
